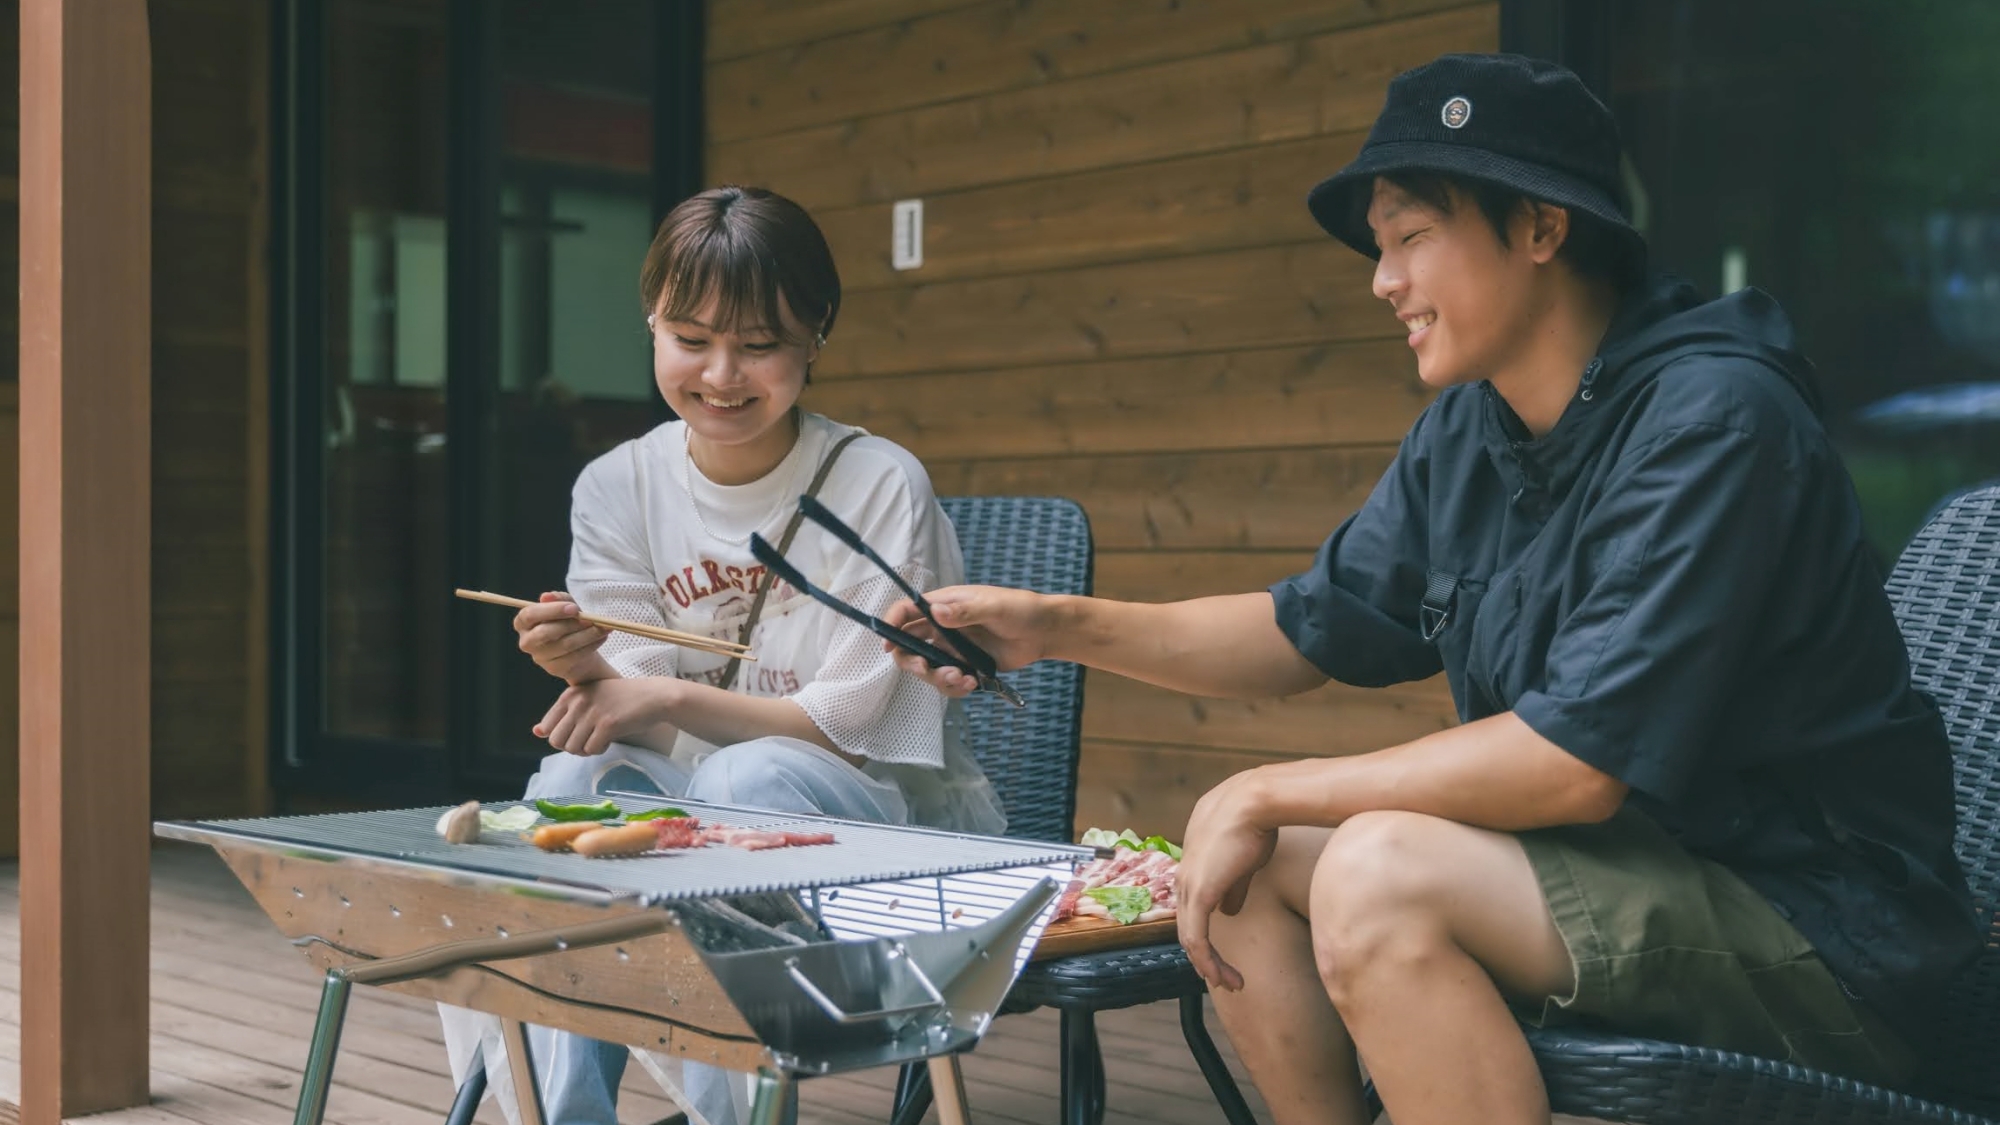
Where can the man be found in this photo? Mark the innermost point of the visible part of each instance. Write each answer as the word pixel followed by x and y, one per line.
pixel 1693 796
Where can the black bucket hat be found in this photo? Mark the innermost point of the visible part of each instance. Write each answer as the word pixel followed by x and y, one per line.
pixel 1517 122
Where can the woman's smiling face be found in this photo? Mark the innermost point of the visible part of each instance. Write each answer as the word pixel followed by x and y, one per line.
pixel 731 384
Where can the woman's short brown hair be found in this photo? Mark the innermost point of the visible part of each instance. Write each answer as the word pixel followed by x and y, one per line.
pixel 746 248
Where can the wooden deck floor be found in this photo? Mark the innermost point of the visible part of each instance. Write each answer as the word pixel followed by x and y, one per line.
pixel 233 1009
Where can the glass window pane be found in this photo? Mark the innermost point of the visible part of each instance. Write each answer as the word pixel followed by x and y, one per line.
pixel 1843 155
pixel 575 364
pixel 597 337
pixel 385 564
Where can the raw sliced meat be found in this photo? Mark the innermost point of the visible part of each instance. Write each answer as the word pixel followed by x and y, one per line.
pixel 1066 905
pixel 1152 870
pixel 758 839
pixel 679 832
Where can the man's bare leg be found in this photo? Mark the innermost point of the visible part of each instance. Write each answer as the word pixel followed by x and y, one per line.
pixel 1282 1024
pixel 1418 924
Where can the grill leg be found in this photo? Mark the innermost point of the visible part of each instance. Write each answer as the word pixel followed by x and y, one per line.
pixel 948 1081
pixel 913 1095
pixel 1220 1082
pixel 1082 1069
pixel 467 1102
pixel 325 1044
pixel 521 1064
pixel 773 1095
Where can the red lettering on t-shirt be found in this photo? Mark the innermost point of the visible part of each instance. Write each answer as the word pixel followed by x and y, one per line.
pixel 708 578
pixel 777 681
pixel 695 589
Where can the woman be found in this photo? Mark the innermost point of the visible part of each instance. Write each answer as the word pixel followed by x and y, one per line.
pixel 1694 795
pixel 741 293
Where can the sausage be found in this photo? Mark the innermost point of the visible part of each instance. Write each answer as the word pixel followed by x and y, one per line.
pixel 631 839
pixel 558 837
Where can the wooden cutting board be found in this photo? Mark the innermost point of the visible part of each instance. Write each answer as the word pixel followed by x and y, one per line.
pixel 1094 935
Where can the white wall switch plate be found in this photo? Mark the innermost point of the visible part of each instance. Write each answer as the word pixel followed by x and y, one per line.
pixel 906 238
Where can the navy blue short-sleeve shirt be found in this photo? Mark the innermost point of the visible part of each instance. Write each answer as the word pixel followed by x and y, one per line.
pixel 1673 586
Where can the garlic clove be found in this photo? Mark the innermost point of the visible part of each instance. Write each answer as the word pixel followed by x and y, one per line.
pixel 460 825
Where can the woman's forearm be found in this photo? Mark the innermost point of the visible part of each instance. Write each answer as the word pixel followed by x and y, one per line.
pixel 722 718
pixel 592 670
pixel 1227 647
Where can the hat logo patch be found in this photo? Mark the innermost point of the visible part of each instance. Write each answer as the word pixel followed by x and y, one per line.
pixel 1457 112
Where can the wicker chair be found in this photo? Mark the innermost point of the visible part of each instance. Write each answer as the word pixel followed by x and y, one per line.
pixel 1042 544
pixel 1031 756
pixel 1946 591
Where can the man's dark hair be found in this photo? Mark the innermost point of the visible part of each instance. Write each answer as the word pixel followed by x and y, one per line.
pixel 1592 249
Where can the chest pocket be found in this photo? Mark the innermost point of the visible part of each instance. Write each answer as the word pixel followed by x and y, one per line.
pixel 1506 651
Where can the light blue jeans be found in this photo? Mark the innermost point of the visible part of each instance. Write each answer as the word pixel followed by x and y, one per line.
pixel 579 1076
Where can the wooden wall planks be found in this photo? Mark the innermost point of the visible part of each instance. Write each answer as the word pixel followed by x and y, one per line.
pixel 1122 299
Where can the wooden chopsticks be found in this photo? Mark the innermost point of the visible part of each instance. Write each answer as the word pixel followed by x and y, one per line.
pixel 651 632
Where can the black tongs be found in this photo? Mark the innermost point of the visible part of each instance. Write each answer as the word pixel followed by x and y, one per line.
pixel 976 661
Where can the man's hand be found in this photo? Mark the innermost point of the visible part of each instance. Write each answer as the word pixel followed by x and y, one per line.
pixel 1015 626
pixel 561 645
pixel 1225 848
pixel 588 718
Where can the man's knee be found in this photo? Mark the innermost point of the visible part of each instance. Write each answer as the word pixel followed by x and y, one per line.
pixel 1375 898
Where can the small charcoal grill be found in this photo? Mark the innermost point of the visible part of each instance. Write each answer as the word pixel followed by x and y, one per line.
pixel 890 945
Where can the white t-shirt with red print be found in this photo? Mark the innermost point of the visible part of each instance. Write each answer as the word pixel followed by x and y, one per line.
pixel 655 541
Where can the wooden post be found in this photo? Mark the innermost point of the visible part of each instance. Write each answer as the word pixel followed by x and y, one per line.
pixel 86 487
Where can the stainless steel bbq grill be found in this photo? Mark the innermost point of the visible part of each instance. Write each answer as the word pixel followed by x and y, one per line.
pixel 889 945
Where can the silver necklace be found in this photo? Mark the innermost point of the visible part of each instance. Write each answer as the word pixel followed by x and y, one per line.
pixel 687 485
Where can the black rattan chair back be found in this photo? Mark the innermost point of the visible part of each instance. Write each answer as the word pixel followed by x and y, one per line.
pixel 1946 590
pixel 1030 754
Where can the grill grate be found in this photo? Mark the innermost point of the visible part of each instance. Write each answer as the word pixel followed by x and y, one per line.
pixel 861 854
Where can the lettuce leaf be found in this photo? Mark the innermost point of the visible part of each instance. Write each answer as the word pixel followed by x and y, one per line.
pixel 1125 904
pixel 516 819
pixel 1105 838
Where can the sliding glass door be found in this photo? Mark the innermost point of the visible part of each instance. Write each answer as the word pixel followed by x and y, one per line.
pixel 464 193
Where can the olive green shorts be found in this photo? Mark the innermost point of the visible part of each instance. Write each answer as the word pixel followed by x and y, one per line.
pixel 1668 946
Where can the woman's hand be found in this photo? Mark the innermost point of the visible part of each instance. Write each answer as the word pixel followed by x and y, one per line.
pixel 561 645
pixel 587 718
pixel 1016 626
pixel 1225 848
